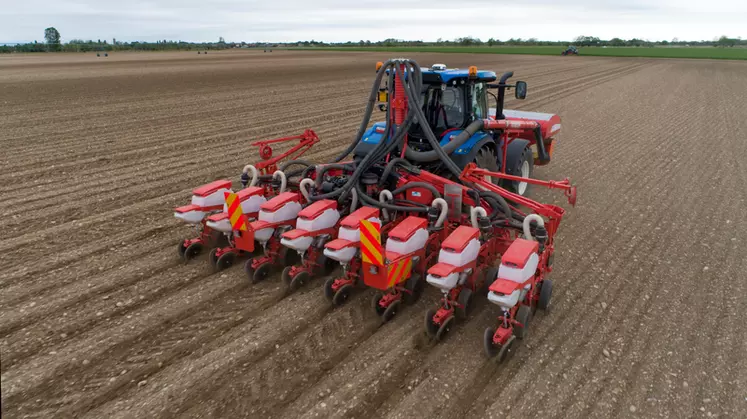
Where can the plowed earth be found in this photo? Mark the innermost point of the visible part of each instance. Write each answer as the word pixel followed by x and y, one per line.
pixel 99 318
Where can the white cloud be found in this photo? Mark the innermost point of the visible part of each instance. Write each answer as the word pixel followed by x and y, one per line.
pixel 344 20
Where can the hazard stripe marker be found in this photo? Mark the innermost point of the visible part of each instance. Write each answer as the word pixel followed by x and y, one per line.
pixel 399 272
pixel 235 215
pixel 371 243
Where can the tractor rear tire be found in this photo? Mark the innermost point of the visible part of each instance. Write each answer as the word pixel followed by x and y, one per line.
pixel 523 168
pixel 487 160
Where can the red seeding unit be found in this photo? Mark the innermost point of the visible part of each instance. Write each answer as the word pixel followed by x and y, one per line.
pixel 435 194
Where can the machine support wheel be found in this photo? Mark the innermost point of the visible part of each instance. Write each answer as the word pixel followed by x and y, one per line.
pixel 506 350
pixel 213 258
pixel 329 292
pixel 285 276
pixel 490 276
pixel 415 287
pixel 431 328
pixel 445 328
pixel 192 251
pixel 342 294
pixel 326 265
pixel 391 311
pixel 260 274
pixel 299 280
pixel 545 295
pixel 248 269
pixel 523 315
pixel 289 257
pixel 181 249
pixel 225 261
pixel 491 350
pixel 464 299
pixel 375 303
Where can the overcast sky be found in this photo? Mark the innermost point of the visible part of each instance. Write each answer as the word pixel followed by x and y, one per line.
pixel 352 20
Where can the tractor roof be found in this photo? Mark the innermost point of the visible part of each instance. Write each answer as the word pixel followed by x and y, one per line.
pixel 434 76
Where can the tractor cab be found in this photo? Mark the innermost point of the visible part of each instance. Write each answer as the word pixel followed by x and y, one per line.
pixel 452 98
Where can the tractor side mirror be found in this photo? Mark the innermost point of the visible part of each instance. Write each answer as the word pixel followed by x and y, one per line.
pixel 520 91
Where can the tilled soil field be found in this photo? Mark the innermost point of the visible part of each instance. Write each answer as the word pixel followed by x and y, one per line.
pixel 99 318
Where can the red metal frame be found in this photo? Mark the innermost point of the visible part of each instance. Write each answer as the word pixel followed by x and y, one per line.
pixel 426 257
pixel 309 261
pixel 491 249
pixel 352 270
pixel 269 163
pixel 475 175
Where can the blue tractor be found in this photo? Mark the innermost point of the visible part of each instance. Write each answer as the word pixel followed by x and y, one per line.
pixel 455 104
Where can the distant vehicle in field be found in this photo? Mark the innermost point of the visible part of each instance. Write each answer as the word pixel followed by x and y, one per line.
pixel 571 50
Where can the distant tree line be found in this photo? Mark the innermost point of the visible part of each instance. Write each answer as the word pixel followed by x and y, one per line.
pixel 52 43
pixel 582 41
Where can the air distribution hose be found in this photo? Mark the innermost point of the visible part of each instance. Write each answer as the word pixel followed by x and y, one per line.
pixel 503 205
pixel 411 185
pixel 367 114
pixel 416 105
pixel 374 203
pixel 410 84
pixel 390 166
pixel 371 157
pixel 322 169
pixel 290 163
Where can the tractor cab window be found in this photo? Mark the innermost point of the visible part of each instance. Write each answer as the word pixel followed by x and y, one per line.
pixel 479 101
pixel 444 108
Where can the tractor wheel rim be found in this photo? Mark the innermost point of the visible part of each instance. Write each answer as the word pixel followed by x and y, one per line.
pixel 525 174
